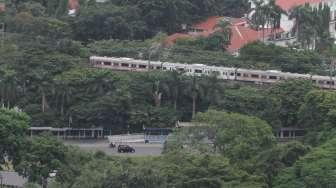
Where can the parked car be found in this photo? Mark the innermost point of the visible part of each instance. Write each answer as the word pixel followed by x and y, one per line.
pixel 125 149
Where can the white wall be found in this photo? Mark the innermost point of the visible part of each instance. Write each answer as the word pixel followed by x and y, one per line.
pixel 286 24
pixel 332 5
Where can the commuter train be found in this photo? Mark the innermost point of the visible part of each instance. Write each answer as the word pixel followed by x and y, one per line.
pixel 225 73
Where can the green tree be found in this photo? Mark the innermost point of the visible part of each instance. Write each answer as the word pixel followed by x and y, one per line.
pixel 311 26
pixel 13 128
pixel 41 156
pixel 269 163
pixel 316 169
pixel 238 137
pixel 291 94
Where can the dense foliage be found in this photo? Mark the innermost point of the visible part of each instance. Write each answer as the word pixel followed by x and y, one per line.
pixel 44 71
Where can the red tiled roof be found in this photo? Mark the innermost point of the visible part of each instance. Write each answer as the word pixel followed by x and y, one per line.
pixel 171 39
pixel 73 4
pixel 241 35
pixel 289 4
pixel 207 25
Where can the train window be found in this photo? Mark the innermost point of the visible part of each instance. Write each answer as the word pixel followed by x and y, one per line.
pixel 224 73
pixel 151 67
pixel 314 81
pixel 273 77
pixel 232 74
pixel 181 69
pixel 142 66
pixel 158 68
pixel 238 74
pixel 164 68
pixel 281 78
pixel 107 63
pixel 263 76
pixel 254 75
pixel 216 72
pixel 198 71
pixel 330 82
pixel 116 64
pixel 124 64
pixel 245 75
pixel 133 65
pixel 321 82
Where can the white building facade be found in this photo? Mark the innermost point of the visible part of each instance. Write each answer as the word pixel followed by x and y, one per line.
pixel 287 24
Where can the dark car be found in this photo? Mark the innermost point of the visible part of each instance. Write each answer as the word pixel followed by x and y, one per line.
pixel 125 149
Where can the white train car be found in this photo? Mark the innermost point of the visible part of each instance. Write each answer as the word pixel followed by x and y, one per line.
pixel 225 73
pixel 326 82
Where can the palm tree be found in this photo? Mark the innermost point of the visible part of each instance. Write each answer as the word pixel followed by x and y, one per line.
pixel 266 15
pixel 274 16
pixel 195 90
pixel 63 94
pixel 176 84
pixel 8 89
pixel 157 94
pixel 42 88
pixel 223 30
pixel 305 25
pixel 102 84
pixel 213 89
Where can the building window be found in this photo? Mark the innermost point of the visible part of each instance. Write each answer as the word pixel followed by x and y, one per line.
pixel 198 71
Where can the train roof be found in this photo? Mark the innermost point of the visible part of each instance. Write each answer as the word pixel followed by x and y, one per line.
pixel 269 72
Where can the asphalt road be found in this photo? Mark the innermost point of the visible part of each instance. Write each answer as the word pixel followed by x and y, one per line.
pixel 141 149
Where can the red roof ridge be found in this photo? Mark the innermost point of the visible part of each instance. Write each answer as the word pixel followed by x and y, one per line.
pixel 289 4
